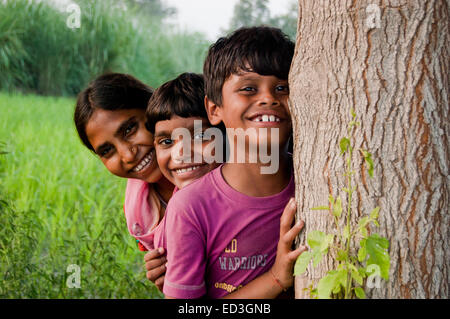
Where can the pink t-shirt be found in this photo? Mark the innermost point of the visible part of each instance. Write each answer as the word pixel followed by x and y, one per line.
pixel 219 239
pixel 142 207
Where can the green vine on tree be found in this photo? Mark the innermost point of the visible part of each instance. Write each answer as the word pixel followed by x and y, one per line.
pixel 353 273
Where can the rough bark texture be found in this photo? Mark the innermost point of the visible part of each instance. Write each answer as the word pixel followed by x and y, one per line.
pixel 392 67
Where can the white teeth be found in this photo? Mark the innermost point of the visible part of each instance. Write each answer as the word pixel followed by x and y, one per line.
pixel 188 169
pixel 147 159
pixel 266 118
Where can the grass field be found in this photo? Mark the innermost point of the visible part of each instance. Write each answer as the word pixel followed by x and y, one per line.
pixel 59 206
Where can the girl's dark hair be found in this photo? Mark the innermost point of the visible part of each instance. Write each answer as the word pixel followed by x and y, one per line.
pixel 111 91
pixel 183 96
pixel 264 50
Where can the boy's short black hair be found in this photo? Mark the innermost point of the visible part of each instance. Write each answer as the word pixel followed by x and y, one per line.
pixel 111 92
pixel 183 96
pixel 264 50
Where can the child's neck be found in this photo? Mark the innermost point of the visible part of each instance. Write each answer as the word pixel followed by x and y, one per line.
pixel 164 188
pixel 247 179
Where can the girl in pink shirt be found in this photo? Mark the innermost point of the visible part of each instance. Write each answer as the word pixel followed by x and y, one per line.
pixel 110 120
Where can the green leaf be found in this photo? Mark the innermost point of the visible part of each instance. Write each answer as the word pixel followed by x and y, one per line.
pixel 342 277
pixel 327 284
pixel 377 249
pixel 357 276
pixel 341 255
pixel 321 208
pixel 315 239
pixel 374 213
pixel 331 199
pixel 317 257
pixel 363 222
pixel 337 208
pixel 302 263
pixel 364 232
pixel 369 162
pixel 327 241
pixel 337 289
pixel 344 143
pixel 360 293
pixel 362 252
pixel 352 112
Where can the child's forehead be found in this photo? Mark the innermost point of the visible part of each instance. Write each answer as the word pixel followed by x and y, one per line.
pixel 249 74
pixel 175 122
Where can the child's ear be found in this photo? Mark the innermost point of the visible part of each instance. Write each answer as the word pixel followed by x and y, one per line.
pixel 214 111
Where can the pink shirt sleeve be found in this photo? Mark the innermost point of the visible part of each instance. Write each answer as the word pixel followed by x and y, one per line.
pixel 186 246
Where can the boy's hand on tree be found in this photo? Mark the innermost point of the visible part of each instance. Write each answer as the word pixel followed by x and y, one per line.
pixel 155 263
pixel 282 269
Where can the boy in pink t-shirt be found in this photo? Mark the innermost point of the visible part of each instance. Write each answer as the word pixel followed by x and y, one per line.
pixel 222 230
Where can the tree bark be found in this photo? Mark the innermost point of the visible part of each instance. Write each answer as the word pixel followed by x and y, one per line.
pixel 389 60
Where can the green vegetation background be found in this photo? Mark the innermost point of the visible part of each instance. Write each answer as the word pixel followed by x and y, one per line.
pixel 58 204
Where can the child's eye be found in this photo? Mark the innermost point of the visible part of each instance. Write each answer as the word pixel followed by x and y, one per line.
pixel 105 151
pixel 282 88
pixel 248 89
pixel 129 129
pixel 165 142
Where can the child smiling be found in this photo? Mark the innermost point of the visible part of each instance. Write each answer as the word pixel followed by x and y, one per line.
pixel 227 229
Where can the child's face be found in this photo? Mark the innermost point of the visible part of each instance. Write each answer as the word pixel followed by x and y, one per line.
pixel 123 144
pixel 174 164
pixel 254 101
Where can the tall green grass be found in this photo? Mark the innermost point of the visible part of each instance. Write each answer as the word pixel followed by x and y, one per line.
pixel 39 53
pixel 60 206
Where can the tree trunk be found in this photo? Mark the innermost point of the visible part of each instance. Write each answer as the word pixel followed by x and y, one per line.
pixel 389 60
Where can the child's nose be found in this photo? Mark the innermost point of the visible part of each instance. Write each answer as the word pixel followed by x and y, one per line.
pixel 268 98
pixel 179 152
pixel 127 153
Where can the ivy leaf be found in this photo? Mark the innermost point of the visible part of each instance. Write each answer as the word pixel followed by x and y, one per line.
pixel 352 112
pixel 302 263
pixel 344 143
pixel 327 284
pixel 360 293
pixel 377 249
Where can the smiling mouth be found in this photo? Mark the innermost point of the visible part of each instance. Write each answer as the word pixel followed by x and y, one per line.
pixel 144 163
pixel 266 118
pixel 187 169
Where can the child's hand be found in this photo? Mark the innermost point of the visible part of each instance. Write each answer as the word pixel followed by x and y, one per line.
pixel 282 269
pixel 155 264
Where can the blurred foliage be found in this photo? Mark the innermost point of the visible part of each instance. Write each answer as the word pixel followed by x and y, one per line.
pixel 256 12
pixel 40 54
pixel 151 8
pixel 59 206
